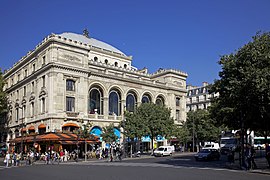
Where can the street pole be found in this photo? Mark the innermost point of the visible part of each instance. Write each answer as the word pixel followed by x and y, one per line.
pixel 85 149
pixel 193 139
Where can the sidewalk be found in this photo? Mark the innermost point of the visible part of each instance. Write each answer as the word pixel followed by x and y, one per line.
pixel 262 166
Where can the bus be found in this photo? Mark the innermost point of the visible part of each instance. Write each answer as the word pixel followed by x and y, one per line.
pixel 259 142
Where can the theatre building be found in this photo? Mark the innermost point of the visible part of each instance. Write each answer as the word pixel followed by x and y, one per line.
pixel 71 79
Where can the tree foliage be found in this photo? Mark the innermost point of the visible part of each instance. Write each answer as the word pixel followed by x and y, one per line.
pixel 182 133
pixel 149 119
pixel 3 107
pixel 108 134
pixel 244 87
pixel 203 125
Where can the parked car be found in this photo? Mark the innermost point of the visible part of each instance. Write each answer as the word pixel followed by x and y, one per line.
pixel 207 154
pixel 164 151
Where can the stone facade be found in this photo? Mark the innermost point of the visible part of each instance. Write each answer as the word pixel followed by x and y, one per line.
pixel 198 97
pixel 56 83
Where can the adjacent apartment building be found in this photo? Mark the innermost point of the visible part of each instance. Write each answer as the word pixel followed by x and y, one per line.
pixel 198 97
pixel 70 79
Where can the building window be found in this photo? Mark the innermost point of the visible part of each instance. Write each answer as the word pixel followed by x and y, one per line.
pixel 43 81
pixel 146 98
pixel 95 58
pixel 32 109
pixel 116 64
pixel 70 104
pixel 18 95
pixel 70 86
pixel 198 99
pixel 190 100
pixel 204 106
pixel 25 73
pixel 19 77
pixel 43 105
pixel 24 91
pixel 114 103
pixel 43 60
pixel 177 101
pixel 125 66
pixel 177 115
pixel 205 97
pixel 106 61
pixel 34 67
pixel 17 114
pixel 96 101
pixel 160 101
pixel 33 86
pixel 23 111
pixel 131 102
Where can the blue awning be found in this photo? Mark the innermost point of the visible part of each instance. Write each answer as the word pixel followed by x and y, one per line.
pixel 117 133
pixel 160 138
pixel 146 138
pixel 97 131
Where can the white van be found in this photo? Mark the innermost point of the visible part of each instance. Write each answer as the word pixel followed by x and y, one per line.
pixel 164 151
pixel 211 145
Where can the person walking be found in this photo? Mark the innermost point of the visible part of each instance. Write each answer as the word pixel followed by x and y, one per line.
pixel 253 153
pixel 267 153
pixel 7 158
pixel 248 157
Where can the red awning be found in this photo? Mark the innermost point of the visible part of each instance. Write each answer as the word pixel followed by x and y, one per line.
pixel 70 125
pixel 31 128
pixel 41 126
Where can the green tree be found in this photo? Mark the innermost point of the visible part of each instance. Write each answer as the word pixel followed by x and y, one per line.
pixel 243 87
pixel 84 133
pixel 202 126
pixel 133 129
pixel 153 120
pixel 182 133
pixel 108 134
pixel 3 108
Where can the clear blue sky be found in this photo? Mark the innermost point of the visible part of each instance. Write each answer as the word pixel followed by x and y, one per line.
pixel 186 35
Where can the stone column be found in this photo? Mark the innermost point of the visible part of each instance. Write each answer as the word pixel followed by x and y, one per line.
pixel 105 107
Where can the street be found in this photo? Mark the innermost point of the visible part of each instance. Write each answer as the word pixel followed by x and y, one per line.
pixel 175 167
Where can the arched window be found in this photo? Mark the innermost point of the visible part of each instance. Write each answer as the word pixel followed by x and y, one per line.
pixel 146 98
pixel 160 100
pixel 96 101
pixel 125 66
pixel 106 61
pixel 116 64
pixel 114 103
pixel 95 58
pixel 131 102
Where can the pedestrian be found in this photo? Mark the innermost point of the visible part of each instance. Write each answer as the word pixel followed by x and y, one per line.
pixel 267 153
pixel 18 158
pixel 231 155
pixel 14 157
pixel 247 157
pixel 253 153
pixel 7 158
pixel 62 154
